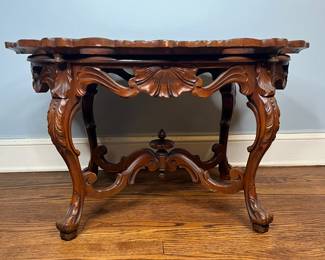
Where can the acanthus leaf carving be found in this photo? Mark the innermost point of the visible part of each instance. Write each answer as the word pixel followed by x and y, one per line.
pixel 263 103
pixel 264 95
pixel 60 114
pixel 53 77
pixel 264 106
pixel 264 82
pixel 165 82
pixel 62 83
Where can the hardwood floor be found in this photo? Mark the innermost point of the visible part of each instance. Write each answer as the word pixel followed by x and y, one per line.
pixel 165 219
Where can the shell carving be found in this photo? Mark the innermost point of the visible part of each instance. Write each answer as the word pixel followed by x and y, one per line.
pixel 165 82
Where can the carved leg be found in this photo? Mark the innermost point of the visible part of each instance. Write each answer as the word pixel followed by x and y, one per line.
pixel 88 117
pixel 60 115
pixel 267 115
pixel 228 94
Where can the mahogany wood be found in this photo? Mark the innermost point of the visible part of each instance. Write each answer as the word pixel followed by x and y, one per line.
pixel 89 120
pixel 73 68
pixel 228 94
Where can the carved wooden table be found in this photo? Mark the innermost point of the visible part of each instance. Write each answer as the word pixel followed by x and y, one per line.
pixel 73 68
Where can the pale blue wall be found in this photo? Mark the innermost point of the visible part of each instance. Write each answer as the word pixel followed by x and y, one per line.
pixel 23 113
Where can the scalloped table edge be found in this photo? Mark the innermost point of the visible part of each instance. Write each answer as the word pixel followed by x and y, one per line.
pixel 30 45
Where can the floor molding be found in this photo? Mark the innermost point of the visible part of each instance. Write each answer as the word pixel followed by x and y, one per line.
pixel 26 155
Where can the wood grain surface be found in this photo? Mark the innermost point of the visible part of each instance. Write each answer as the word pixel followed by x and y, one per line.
pixel 167 218
pixel 31 45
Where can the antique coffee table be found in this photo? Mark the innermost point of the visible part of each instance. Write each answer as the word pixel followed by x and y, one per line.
pixel 72 69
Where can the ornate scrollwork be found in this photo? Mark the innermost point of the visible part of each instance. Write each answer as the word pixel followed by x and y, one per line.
pixel 59 123
pixel 262 102
pixel 68 83
pixel 165 82
pixel 59 80
pixel 156 81
pixel 65 102
pixel 177 158
pixel 145 158
pixel 89 75
pixel 153 161
pixel 265 108
pixel 236 74
pixel 56 77
pixel 60 115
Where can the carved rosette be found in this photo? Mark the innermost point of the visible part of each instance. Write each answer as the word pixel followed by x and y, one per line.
pixel 165 82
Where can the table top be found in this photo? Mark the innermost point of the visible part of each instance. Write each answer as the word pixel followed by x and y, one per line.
pixel 103 46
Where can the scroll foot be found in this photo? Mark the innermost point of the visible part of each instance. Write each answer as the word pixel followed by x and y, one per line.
pixel 260 228
pixel 259 217
pixel 69 226
pixel 264 106
pixel 68 236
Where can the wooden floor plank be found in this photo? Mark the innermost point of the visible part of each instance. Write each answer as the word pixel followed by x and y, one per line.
pixel 165 219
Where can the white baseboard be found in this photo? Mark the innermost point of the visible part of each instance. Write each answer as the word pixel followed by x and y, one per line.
pixel 26 155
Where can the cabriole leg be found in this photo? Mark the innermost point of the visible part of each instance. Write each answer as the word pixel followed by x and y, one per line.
pixel 263 103
pixel 88 117
pixel 60 115
pixel 228 94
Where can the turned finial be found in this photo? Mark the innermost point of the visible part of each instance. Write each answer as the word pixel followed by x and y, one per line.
pixel 162 134
pixel 162 144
